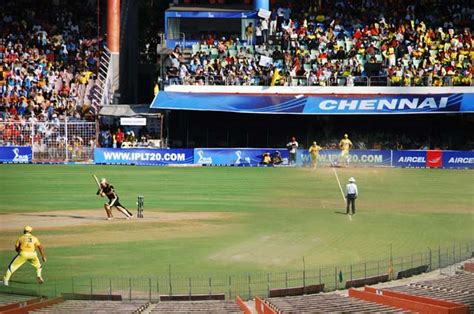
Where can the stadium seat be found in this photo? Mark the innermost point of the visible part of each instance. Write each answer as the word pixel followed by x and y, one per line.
pixel 196 48
pixel 349 45
pixel 214 53
pixel 416 63
pixel 205 49
pixel 433 53
pixel 341 43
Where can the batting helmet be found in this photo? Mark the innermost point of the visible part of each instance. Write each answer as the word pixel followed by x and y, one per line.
pixel 27 229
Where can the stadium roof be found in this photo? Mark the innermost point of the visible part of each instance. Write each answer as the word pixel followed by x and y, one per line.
pixel 128 111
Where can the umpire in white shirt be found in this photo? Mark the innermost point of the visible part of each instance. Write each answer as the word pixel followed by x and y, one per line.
pixel 351 195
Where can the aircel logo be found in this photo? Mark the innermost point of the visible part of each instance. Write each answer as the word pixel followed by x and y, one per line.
pixel 384 104
pixel 411 159
pixel 461 160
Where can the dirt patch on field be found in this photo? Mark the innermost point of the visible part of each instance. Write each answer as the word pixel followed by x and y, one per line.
pixel 85 227
pixel 68 218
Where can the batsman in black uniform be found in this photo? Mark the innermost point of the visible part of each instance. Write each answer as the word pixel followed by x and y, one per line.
pixel 108 190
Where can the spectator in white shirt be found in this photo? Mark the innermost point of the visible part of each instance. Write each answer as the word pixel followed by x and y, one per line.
pixel 265 30
pixel 273 23
pixel 292 147
pixel 258 34
pixel 351 195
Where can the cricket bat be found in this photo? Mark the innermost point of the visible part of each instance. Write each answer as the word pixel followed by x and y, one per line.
pixel 98 184
pixel 97 181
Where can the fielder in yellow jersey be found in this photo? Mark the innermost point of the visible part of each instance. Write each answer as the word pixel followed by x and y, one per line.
pixel 314 151
pixel 345 145
pixel 26 246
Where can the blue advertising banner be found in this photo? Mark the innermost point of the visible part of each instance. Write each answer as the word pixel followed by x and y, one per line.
pixel 143 156
pixel 15 154
pixel 409 158
pixel 235 156
pixel 457 159
pixel 375 158
pixel 301 104
pixel 211 14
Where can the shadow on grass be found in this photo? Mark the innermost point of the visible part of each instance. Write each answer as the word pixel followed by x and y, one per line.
pixel 340 213
pixel 22 282
pixel 64 216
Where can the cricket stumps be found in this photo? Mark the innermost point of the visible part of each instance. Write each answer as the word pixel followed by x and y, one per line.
pixel 140 206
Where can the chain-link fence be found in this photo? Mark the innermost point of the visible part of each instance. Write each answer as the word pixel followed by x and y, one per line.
pixel 248 285
pixel 60 141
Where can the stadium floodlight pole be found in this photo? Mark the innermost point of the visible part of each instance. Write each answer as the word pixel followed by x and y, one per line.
pixel 98 25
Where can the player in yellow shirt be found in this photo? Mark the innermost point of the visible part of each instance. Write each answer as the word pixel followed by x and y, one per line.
pixel 26 246
pixel 345 145
pixel 314 152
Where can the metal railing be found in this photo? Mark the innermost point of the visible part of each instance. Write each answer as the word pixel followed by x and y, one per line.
pixel 104 93
pixel 62 141
pixel 312 81
pixel 248 285
pixel 179 38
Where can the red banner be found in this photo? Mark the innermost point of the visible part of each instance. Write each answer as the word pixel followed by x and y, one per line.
pixel 434 159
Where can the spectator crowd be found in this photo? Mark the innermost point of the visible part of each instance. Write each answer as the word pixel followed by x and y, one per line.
pixel 48 61
pixel 115 137
pixel 342 42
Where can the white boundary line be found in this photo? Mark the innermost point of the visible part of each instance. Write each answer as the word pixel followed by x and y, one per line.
pixel 340 188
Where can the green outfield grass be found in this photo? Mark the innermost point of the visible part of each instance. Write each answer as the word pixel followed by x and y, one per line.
pixel 256 219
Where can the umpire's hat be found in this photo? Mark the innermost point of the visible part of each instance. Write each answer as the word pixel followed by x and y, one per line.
pixel 352 180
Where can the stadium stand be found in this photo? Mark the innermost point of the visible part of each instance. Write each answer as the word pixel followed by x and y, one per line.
pixel 325 303
pixel 462 298
pixel 458 288
pixel 469 267
pixel 462 282
pixel 13 298
pixel 74 306
pixel 49 60
pixel 398 44
pixel 195 306
pixel 29 305
pixel 446 292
